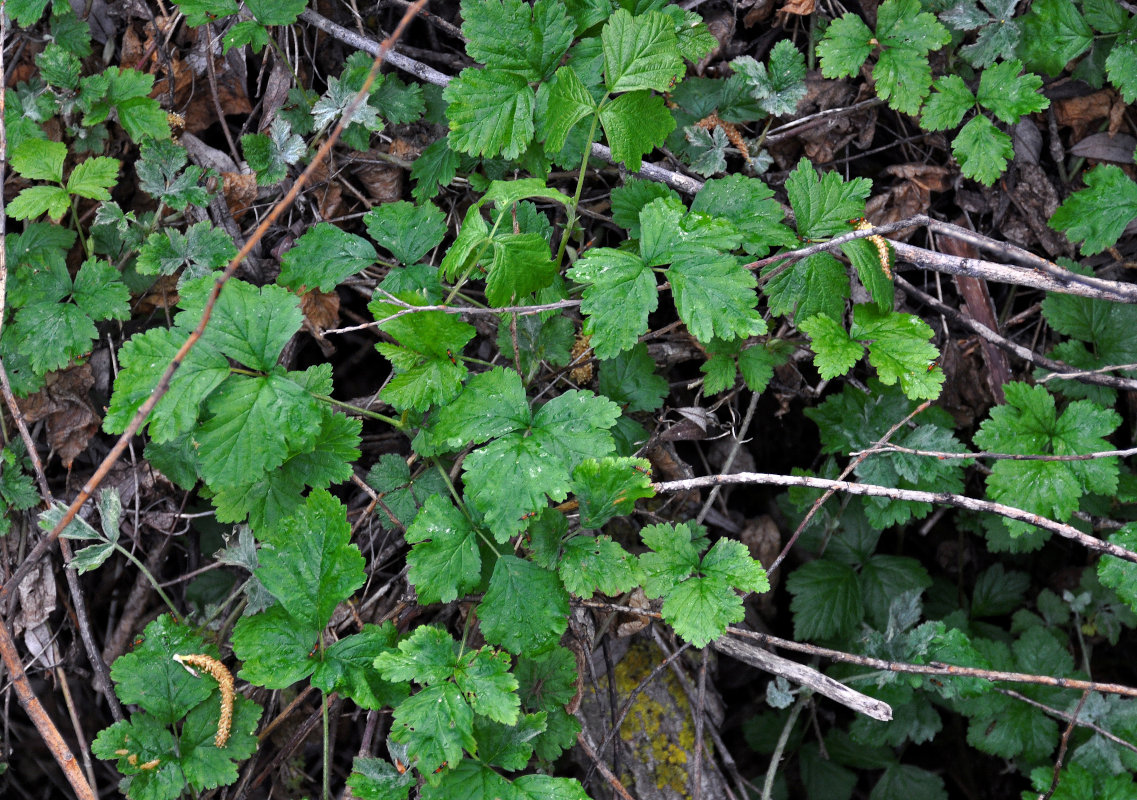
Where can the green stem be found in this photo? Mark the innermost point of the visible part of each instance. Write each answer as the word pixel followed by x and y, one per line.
pixel 327 749
pixel 153 582
pixel 772 771
pixel 571 221
pixel 394 423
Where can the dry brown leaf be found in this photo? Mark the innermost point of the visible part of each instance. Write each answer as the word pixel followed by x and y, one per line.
pixel 581 355
pixel 802 8
pixel 321 309
pixel 65 406
pixel 325 192
pixel 240 192
pixel 163 293
pixel 1085 111
pixel 381 179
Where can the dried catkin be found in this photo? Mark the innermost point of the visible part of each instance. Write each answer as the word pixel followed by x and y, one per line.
pixel 863 224
pixel 224 681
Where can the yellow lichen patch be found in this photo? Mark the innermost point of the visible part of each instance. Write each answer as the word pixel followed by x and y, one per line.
pixel 659 727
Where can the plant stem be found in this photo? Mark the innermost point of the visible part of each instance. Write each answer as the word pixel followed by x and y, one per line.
pixel 772 771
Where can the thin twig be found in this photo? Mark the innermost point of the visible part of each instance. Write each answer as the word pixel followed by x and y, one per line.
pixel 590 751
pixel 1065 717
pixel 1037 274
pixel 872 490
pixel 407 308
pixel 945 455
pixel 1002 342
pixel 1062 747
pixel 829 492
pixel 164 382
pixel 739 436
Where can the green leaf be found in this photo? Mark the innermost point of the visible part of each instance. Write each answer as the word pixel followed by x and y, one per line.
pixel 250 324
pixel 522 264
pixel 883 578
pixel 40 160
pixel 834 353
pixel 949 101
pixel 512 476
pixel 149 678
pixel 817 284
pixel 376 779
pixel 36 200
pixel 312 565
pixel 1121 66
pixel 609 487
pixel 903 78
pixel 568 102
pixel 749 205
pixel 141 362
pixel 845 46
pixel 635 124
pixel 160 175
pixel 488 685
pixel 900 348
pixel 998 592
pixel 715 298
pixel 99 291
pixel 436 166
pixel 630 198
pixel 490 112
pixel 1121 576
pixel 403 496
pixel 274 647
pixel 674 556
pixel 407 231
pixel 270 154
pixel 348 668
pixel 1098 214
pixel 200 12
pixel 276 494
pixel 435 724
pixel 619 294
pixel 874 270
pixel 824 205
pixel 640 52
pixel 509 747
pixel 699 607
pixel 427 656
pixel 1054 33
pixel 93 178
pixel 252 425
pixel 781 89
pixel 247 32
pixel 276 12
pixel 427 368
pixel 1009 95
pixel 826 599
pixel 493 403
pixel 53 334
pixel 525 609
pixel 904 782
pixel 324 257
pixel 597 564
pixel 27 12
pixel 630 380
pixel 200 250
pixel 1030 423
pixel 515 36
pixel 444 561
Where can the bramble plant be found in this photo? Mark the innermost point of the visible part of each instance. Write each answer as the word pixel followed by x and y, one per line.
pixel 509 443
